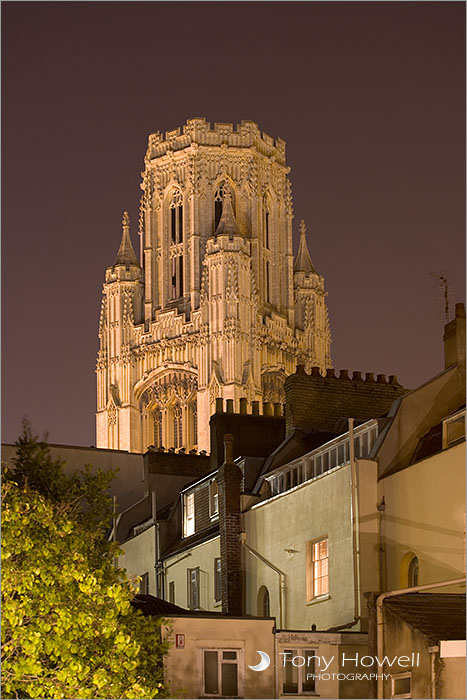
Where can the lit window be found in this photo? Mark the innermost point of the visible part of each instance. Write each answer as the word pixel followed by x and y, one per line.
pixel 401 685
pixel 213 499
pixel 317 569
pixel 220 673
pixel 217 580
pixel 193 588
pixel 298 679
pixel 189 515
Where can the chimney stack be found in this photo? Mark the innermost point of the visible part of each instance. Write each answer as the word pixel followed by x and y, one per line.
pixel 229 479
pixel 454 339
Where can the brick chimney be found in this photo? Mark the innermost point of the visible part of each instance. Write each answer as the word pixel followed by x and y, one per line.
pixel 454 339
pixel 229 478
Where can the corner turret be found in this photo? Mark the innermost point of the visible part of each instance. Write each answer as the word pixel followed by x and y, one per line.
pixel 126 254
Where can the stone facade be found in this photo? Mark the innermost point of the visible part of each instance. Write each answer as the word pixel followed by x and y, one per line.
pixel 218 307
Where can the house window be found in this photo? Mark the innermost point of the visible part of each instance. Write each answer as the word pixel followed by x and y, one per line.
pixel 221 673
pixel 144 583
pixel 189 515
pixel 172 592
pixel 317 569
pixel 177 425
pixel 401 685
pixel 298 677
pixel 193 588
pixel 454 429
pixel 412 572
pixel 264 605
pixel 213 499
pixel 217 580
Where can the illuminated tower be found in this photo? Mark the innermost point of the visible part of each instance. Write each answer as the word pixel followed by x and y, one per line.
pixel 224 312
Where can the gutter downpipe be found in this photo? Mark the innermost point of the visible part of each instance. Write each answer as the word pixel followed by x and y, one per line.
pixel 281 581
pixel 433 651
pixel 380 620
pixel 355 523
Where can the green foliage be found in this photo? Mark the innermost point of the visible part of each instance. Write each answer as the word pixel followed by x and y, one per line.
pixel 69 630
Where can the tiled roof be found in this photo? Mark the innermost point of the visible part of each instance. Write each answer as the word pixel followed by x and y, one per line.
pixel 439 616
pixel 150 605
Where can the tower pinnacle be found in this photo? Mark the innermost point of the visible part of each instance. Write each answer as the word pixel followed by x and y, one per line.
pixel 126 254
pixel 303 260
pixel 227 223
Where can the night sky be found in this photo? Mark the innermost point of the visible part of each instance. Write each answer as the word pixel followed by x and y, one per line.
pixel 370 98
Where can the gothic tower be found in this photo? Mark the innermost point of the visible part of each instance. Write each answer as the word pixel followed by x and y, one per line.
pixel 218 308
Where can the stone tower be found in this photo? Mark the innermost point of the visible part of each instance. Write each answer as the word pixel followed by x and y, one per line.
pixel 218 307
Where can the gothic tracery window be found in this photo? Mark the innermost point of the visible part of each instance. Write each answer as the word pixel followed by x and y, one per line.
pixel 158 428
pixel 177 425
pixel 176 237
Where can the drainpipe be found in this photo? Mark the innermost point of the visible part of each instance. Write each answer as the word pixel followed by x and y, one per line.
pixel 355 523
pixel 164 567
pixel 381 545
pixel 380 619
pixel 281 580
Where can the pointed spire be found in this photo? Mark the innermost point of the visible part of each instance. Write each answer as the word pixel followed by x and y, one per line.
pixel 227 223
pixel 303 260
pixel 126 254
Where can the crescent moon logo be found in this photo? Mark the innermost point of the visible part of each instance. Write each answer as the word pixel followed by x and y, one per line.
pixel 263 664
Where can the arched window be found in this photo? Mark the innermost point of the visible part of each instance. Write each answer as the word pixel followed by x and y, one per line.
pixel 219 202
pixel 264 607
pixel 177 425
pixel 157 428
pixel 412 572
pixel 267 224
pixel 176 217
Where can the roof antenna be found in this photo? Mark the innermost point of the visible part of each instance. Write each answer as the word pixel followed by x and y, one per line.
pixel 444 296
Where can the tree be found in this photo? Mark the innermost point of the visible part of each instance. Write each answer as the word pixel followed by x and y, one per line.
pixel 69 629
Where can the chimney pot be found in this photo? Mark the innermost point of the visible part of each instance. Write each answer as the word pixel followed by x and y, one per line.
pixel 330 372
pixel 393 379
pixel 267 409
pixel 300 369
pixel 357 376
pixel 255 408
pixel 315 372
pixel 381 379
pixel 243 406
pixel 277 410
pixel 369 377
pixel 230 406
pixel 219 405
pixel 343 374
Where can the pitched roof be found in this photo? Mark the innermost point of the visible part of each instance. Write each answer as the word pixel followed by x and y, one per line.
pixel 126 254
pixel 439 616
pixel 150 605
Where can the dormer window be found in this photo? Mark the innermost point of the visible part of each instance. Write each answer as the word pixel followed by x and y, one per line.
pixel 188 514
pixel 213 499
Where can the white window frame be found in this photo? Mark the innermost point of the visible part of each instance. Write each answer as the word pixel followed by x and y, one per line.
pixel 213 499
pixel 306 652
pixel 240 671
pixel 398 677
pixel 189 596
pixel 311 570
pixel 188 514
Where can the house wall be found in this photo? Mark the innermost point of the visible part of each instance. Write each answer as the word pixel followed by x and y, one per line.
pixel 202 556
pixel 425 514
pixel 184 667
pixel 280 528
pixel 140 556
pixel 451 678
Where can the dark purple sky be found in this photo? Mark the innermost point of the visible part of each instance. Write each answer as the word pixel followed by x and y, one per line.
pixel 370 98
